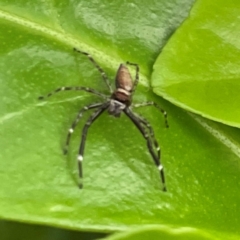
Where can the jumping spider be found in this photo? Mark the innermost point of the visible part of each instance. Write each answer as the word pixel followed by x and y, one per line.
pixel 120 100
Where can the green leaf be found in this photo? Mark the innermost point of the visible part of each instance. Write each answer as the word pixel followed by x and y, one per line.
pixel 121 184
pixel 167 233
pixel 15 230
pixel 198 69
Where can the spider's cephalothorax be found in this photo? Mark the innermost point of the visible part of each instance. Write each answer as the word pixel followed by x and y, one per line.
pixel 119 101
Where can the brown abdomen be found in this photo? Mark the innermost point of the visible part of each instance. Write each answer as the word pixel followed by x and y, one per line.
pixel 123 78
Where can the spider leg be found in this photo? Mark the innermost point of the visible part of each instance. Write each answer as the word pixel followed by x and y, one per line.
pixel 74 124
pixel 86 89
pixel 136 77
pixel 155 105
pixel 104 76
pixel 150 129
pixel 137 123
pixel 89 122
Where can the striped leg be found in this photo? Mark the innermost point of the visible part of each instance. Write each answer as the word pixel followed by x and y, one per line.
pixel 86 89
pixel 136 77
pixel 104 76
pixel 89 122
pixel 150 129
pixel 137 123
pixel 74 124
pixel 155 105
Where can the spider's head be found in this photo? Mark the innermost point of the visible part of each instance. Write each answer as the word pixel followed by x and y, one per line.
pixel 115 108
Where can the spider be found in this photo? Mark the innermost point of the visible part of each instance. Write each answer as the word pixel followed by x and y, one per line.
pixel 119 101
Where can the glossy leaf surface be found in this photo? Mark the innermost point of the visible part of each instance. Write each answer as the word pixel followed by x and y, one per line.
pixel 198 69
pixel 121 183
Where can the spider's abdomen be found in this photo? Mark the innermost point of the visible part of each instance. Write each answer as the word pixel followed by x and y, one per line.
pixel 124 85
pixel 123 79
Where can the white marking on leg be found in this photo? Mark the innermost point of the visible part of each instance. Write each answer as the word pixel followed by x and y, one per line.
pixel 160 167
pixel 70 130
pixel 86 108
pixel 80 158
pixel 158 148
pixel 62 88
